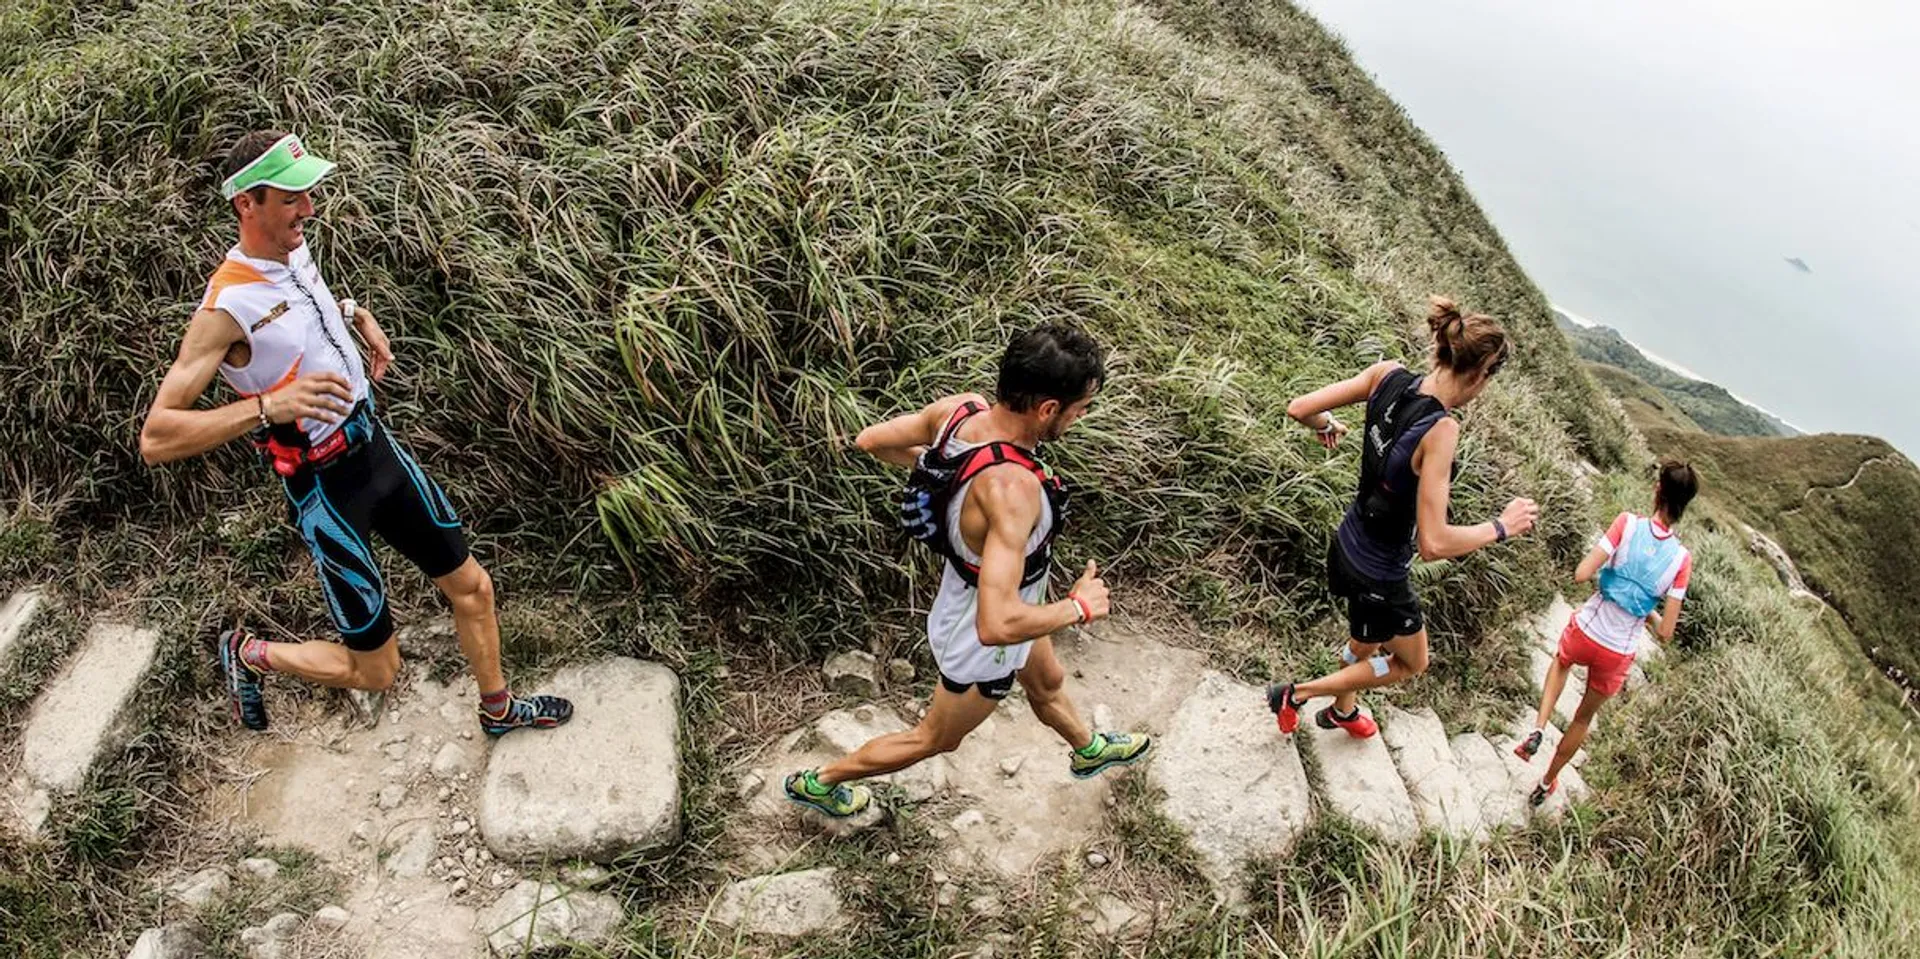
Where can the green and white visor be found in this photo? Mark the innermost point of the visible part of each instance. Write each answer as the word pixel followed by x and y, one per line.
pixel 286 165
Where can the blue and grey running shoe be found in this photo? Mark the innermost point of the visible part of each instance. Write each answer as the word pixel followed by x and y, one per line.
pixel 245 692
pixel 527 712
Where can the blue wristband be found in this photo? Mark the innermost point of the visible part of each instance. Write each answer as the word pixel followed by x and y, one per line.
pixel 1499 532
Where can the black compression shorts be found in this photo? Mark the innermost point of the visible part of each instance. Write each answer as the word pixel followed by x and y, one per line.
pixel 1377 610
pixel 377 488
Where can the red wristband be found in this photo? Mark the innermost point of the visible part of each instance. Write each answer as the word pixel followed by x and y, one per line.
pixel 1086 612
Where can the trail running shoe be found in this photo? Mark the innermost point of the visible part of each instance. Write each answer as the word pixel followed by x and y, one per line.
pixel 1359 725
pixel 246 694
pixel 1528 746
pixel 1542 791
pixel 528 712
pixel 838 800
pixel 1115 749
pixel 1285 710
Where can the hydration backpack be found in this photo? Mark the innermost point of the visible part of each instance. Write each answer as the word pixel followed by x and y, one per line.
pixel 1631 578
pixel 937 477
pixel 1387 515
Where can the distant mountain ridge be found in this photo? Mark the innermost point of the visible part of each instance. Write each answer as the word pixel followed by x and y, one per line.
pixel 1705 405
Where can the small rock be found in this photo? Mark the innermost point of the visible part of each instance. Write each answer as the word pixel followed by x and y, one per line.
pixel 1112 916
pixel 445 793
pixel 200 889
pixel 283 925
pixel 1096 859
pixel 393 716
pixel 459 886
pixel 398 739
pixel 947 894
pixel 940 878
pixel 391 796
pixel 853 671
pixel 584 875
pixel 412 851
pixel 864 714
pixel 448 863
pixel 533 916
pixel 363 832
pixel 460 827
pixel 451 761
pixel 176 941
pixel 893 859
pixel 751 784
pixel 984 906
pixel 470 857
pixel 1010 766
pixel 254 936
pixel 787 905
pixel 265 870
pixel 466 734
pixel 330 919
pixel 899 672
pixel 967 820
pixel 502 877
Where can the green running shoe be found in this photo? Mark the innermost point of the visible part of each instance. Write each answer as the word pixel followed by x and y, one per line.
pixel 839 800
pixel 1108 750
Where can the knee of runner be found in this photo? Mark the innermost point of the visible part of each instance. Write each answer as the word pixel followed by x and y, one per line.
pixel 1415 665
pixel 478 592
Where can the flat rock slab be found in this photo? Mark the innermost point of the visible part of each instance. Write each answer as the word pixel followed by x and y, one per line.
pixel 787 905
pixel 1503 802
pixel 533 916
pixel 77 721
pixel 1232 780
pixel 1358 779
pixel 605 784
pixel 1443 797
pixel 1012 770
pixel 16 614
pixel 1525 774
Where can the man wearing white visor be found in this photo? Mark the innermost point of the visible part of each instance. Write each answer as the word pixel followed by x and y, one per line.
pixel 271 328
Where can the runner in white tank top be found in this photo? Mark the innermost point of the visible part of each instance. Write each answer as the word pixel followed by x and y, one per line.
pixel 952 623
pixel 271 328
pixel 986 628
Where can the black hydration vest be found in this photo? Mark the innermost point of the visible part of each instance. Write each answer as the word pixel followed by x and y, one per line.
pixel 937 477
pixel 1395 410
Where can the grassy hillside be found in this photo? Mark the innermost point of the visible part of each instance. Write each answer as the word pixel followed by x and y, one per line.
pixel 1846 508
pixel 649 265
pixel 1706 405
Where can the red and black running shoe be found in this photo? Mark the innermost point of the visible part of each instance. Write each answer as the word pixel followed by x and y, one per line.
pixel 1528 746
pixel 1285 710
pixel 1359 725
pixel 1542 791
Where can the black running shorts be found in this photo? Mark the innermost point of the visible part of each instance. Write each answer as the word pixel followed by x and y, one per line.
pixel 377 488
pixel 994 689
pixel 1377 610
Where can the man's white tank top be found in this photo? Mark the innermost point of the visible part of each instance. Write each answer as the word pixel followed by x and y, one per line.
pixel 953 622
pixel 291 322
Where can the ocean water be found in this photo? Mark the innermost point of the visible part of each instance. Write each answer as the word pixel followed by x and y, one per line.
pixel 1730 185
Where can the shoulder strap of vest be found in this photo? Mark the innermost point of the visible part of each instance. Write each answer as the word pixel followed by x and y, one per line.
pixel 960 414
pixel 995 453
pixel 1394 408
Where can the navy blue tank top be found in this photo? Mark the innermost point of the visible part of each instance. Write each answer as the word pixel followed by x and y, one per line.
pixel 1388 557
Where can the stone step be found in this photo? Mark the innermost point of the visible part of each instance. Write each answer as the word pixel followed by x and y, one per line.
pixel 603 785
pixel 1503 802
pixel 1525 774
pixel 16 614
pixel 78 719
pixel 1443 797
pixel 1358 779
pixel 1231 780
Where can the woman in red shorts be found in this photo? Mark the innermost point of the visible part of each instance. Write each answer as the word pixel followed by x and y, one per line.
pixel 1640 565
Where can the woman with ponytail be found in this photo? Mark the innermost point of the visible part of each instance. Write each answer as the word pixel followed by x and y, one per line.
pixel 1400 508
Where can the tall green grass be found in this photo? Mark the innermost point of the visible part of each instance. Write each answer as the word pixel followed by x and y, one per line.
pixel 651 265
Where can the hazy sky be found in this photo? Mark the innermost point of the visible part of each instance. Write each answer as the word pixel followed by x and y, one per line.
pixel 1653 163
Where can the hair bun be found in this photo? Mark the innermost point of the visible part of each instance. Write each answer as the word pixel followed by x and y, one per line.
pixel 1443 313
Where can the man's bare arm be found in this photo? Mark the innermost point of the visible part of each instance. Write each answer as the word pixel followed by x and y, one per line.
pixel 1010 498
pixel 174 430
pixel 900 440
